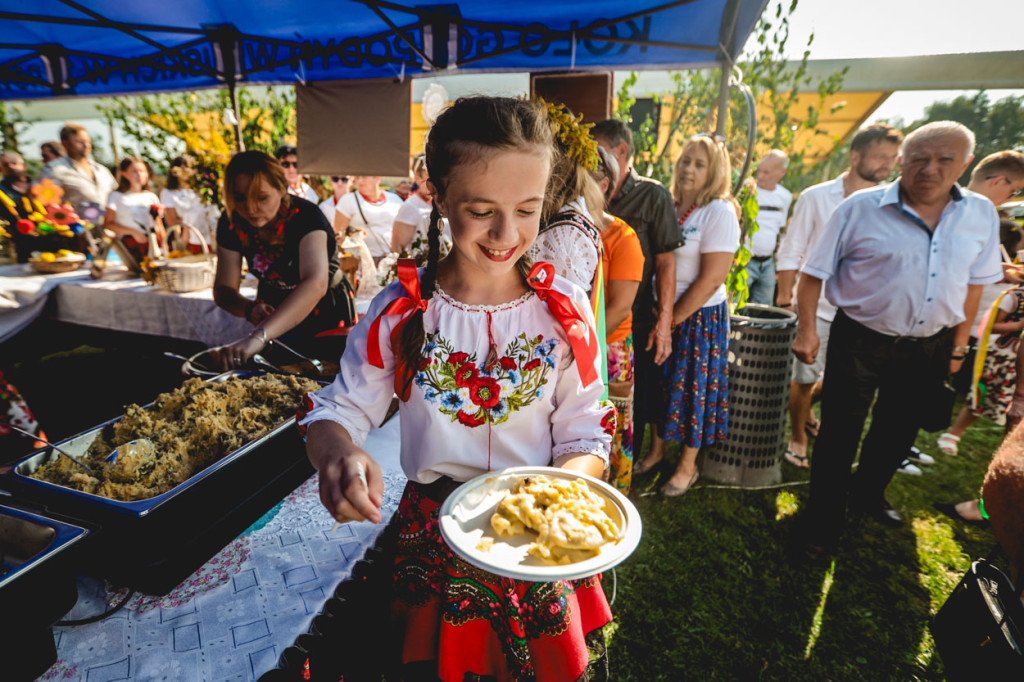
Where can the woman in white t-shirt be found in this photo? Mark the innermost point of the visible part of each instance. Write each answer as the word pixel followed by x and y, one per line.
pixel 340 186
pixel 132 209
pixel 182 205
pixel 413 217
pixel 371 210
pixel 696 380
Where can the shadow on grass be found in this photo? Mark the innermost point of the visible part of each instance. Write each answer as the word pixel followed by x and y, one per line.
pixel 711 594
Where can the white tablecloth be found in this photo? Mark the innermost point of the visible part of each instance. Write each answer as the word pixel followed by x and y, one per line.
pixel 131 305
pixel 235 616
pixel 119 301
pixel 23 294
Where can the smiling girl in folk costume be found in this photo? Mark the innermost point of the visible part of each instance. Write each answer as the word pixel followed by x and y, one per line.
pixel 497 365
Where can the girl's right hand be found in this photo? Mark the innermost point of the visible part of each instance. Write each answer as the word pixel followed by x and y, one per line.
pixel 343 492
pixel 138 235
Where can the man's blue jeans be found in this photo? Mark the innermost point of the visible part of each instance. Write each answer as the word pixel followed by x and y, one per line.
pixel 761 280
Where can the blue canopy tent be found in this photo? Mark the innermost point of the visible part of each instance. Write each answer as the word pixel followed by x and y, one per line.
pixel 56 48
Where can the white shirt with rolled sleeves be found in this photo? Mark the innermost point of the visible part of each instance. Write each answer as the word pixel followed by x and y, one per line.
pixel 542 410
pixel 773 205
pixel 813 208
pixel 885 269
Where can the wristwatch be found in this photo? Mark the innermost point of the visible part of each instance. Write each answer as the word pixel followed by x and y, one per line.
pixel 961 350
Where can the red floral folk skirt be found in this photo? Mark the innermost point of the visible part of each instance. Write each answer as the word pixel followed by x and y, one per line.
pixel 477 625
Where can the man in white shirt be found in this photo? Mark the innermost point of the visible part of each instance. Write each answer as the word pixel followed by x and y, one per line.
pixel 773 202
pixel 904 264
pixel 873 154
pixel 87 185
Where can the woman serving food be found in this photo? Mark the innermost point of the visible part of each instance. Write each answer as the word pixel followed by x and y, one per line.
pixel 290 248
pixel 497 366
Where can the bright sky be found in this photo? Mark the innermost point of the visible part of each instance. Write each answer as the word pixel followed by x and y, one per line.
pixel 900 28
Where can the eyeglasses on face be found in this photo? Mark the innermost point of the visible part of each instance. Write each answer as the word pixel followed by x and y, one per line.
pixel 289 164
pixel 1016 190
pixel 340 178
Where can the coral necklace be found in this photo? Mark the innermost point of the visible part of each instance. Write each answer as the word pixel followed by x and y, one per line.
pixel 687 214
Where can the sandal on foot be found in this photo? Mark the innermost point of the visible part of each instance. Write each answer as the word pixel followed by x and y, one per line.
pixel 797 460
pixel 669 490
pixel 950 511
pixel 639 468
pixel 811 428
pixel 948 443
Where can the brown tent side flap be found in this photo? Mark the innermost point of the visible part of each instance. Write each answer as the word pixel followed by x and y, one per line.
pixel 357 127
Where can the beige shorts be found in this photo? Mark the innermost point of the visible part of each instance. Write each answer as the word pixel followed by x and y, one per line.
pixel 809 374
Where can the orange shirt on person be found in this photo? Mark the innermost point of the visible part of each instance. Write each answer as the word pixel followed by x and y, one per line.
pixel 622 260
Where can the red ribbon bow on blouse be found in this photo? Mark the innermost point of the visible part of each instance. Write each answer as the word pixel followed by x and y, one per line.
pixel 404 306
pixel 581 335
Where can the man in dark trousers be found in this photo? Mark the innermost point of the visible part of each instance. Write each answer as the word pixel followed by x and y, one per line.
pixel 904 264
pixel 646 206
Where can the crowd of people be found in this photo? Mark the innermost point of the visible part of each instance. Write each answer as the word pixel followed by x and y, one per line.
pixel 557 303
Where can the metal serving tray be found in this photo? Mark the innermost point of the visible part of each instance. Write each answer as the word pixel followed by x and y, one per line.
pixel 28 540
pixel 37 587
pixel 154 544
pixel 78 445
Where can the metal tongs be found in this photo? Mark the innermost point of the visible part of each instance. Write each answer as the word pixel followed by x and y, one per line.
pixel 43 440
pixel 317 365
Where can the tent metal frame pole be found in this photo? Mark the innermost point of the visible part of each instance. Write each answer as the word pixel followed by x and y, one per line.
pixel 233 96
pixel 727 45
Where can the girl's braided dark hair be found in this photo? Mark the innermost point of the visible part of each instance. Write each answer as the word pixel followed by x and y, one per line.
pixel 465 132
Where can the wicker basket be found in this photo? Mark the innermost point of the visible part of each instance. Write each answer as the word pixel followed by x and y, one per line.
pixel 56 266
pixel 188 273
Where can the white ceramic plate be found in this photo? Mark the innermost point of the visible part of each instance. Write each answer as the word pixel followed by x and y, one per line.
pixel 465 519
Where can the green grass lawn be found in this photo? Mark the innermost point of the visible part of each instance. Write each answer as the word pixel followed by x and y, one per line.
pixel 710 593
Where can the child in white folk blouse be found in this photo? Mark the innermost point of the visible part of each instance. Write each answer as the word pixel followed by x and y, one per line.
pixel 488 379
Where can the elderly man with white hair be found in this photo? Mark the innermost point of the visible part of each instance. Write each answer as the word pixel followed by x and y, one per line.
pixel 773 201
pixel 904 264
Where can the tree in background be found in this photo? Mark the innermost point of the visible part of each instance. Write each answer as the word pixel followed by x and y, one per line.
pixel 11 122
pixel 691 107
pixel 162 126
pixel 996 127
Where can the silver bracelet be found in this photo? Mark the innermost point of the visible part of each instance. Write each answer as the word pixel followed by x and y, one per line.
pixel 263 334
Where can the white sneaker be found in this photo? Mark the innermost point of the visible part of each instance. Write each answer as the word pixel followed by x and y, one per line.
pixel 908 468
pixel 919 457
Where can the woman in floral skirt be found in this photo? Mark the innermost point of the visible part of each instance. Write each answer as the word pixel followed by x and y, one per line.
pixel 696 381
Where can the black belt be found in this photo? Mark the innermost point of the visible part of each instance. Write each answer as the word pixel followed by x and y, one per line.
pixel 937 336
pixel 761 259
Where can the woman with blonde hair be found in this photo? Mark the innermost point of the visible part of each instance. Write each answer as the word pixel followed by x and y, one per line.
pixel 696 382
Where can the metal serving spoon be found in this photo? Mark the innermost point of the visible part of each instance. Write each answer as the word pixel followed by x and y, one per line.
pixel 138 443
pixel 317 365
pixel 43 440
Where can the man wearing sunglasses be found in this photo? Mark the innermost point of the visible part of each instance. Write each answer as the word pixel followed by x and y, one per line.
pixel 288 156
pixel 340 186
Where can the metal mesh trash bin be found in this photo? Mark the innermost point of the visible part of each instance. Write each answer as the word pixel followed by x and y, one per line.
pixel 760 369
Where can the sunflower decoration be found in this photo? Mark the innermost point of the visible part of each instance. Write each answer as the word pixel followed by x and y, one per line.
pixel 573 134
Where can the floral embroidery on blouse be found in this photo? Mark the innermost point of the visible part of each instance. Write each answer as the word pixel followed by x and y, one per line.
pixel 473 394
pixel 267 253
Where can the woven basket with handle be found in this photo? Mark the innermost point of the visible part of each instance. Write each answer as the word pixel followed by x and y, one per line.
pixel 188 273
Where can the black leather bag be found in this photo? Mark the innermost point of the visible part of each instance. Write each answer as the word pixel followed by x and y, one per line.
pixel 937 414
pixel 978 631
